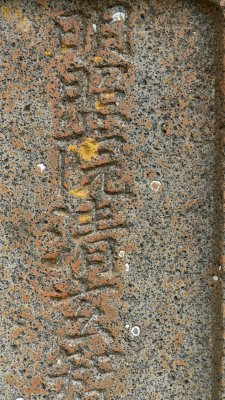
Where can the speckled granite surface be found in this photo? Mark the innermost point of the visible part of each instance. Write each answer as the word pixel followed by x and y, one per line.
pixel 111 200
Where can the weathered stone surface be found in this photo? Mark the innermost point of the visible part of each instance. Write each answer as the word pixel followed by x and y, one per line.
pixel 111 199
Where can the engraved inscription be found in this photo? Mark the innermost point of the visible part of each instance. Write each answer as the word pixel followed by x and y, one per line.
pixel 91 117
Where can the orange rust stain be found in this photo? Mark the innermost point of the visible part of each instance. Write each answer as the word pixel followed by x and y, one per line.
pixel 42 2
pixel 108 95
pixel 6 13
pixel 19 13
pixel 47 53
pixel 79 193
pixel 18 144
pixel 64 48
pixel 99 105
pixel 72 148
pixel 14 13
pixel 84 219
pixel 97 59
pixel 179 363
pixel 87 150
pixel 9 378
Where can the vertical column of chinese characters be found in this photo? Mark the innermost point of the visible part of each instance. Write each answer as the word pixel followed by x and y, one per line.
pixel 90 130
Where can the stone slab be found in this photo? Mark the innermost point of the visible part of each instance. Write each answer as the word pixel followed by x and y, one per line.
pixel 111 200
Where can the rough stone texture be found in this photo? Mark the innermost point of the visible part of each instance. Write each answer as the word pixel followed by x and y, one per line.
pixel 111 200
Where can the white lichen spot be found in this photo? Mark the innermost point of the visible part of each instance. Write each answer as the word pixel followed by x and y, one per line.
pixel 42 167
pixel 135 331
pixel 215 278
pixel 220 267
pixel 119 16
pixel 155 185
pixel 127 326
pixel 59 362
pixel 121 253
pixel 20 398
pixel 94 27
pixel 127 267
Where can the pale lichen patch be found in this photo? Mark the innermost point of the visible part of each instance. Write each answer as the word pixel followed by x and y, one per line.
pixel 41 167
pixel 119 16
pixel 135 331
pixel 127 267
